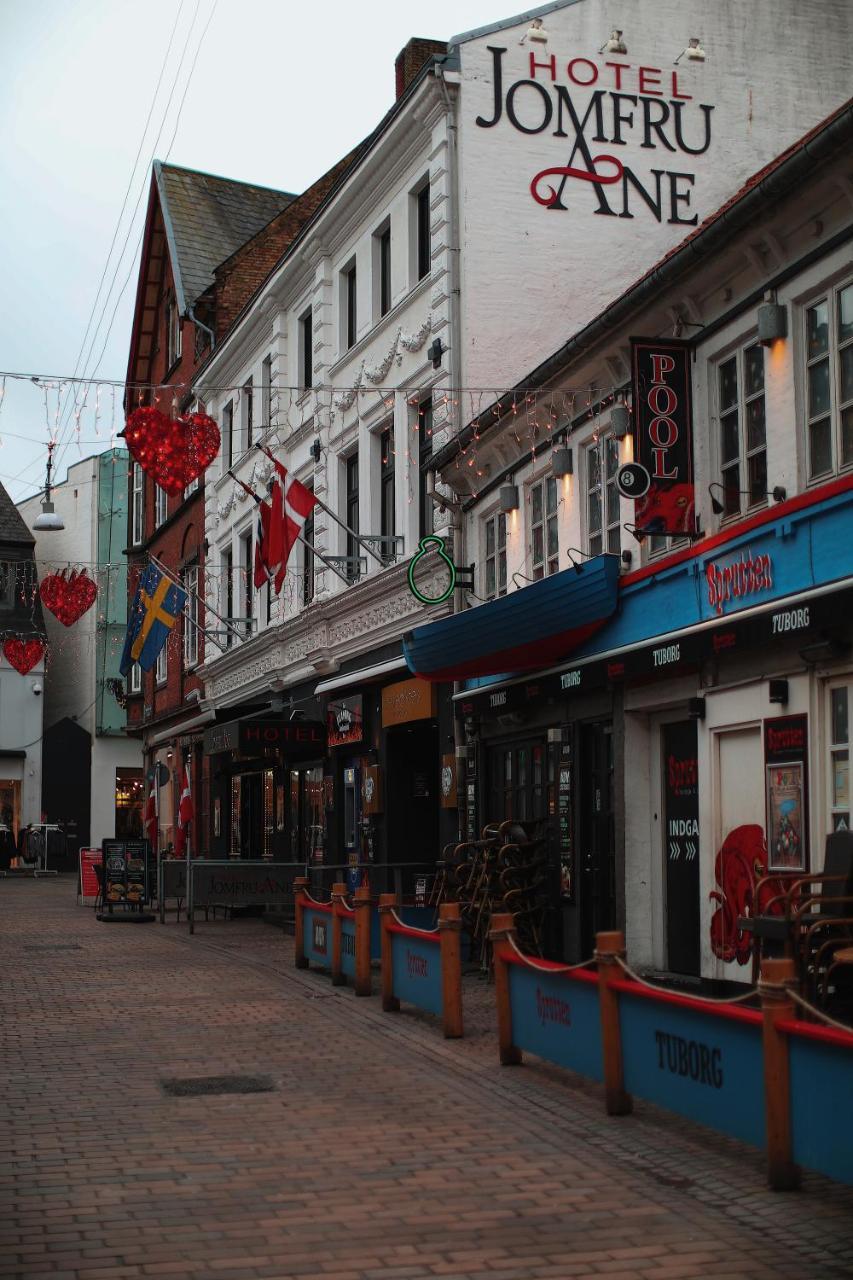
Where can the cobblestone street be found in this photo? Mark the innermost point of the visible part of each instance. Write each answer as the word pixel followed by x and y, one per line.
pixel 380 1150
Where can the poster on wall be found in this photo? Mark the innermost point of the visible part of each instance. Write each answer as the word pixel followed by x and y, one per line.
pixel 663 435
pixel 344 720
pixel 786 770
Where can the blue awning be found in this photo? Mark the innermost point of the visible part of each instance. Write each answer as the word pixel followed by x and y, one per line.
pixel 527 629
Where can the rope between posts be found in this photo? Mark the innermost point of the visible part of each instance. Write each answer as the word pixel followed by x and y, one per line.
pixel 316 901
pixel 818 1013
pixel 403 924
pixel 656 986
pixel 545 968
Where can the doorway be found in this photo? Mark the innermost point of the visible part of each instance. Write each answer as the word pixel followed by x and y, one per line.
pixel 518 781
pixel 412 794
pixel 305 826
pixel 597 888
pixel 679 743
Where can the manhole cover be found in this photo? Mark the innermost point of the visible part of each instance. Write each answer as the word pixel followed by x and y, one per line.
pixel 52 946
pixel 197 1086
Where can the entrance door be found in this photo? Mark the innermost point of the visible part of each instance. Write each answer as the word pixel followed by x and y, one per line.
pixel 681 845
pixel 251 815
pixel 412 797
pixel 305 815
pixel 597 843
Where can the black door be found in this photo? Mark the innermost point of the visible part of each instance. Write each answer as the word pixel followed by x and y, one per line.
pixel 596 836
pixel 412 798
pixel 251 815
pixel 681 846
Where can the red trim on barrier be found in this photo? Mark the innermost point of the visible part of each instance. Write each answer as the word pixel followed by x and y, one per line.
pixel 311 904
pixel 812 1031
pixel 582 975
pixel 424 935
pixel 752 1016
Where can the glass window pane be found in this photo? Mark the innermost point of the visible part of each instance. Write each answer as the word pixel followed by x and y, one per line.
pixel 757 466
pixel 502 530
pixel 845 313
pixel 551 494
pixel 820 448
pixel 838 699
pixel 731 490
pixel 537 503
pixel 840 779
pixel 593 468
pixel 594 512
pixel 612 450
pixel 612 503
pixel 817 329
pixel 847 436
pixel 728 384
pixel 753 369
pixel 730 444
pixel 847 374
pixel 538 544
pixel 553 540
pixel 490 537
pixel 490 577
pixel 595 545
pixel 755 432
pixel 613 540
pixel 819 388
pixel 502 573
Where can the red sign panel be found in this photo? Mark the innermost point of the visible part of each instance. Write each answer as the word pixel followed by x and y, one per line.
pixel 663 435
pixel 89 859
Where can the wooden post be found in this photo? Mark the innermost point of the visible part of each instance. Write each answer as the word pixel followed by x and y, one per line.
pixel 362 904
pixel 609 946
pixel 300 884
pixel 449 926
pixel 776 1005
pixel 339 891
pixel 503 928
pixel 390 1003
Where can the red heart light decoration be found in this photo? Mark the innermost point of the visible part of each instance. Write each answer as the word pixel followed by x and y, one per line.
pixel 23 654
pixel 173 451
pixel 68 598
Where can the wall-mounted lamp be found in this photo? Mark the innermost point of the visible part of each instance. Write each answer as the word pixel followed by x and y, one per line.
pixel 508 498
pixel 620 421
pixel 772 322
pixel 778 691
pixel 562 461
pixel 614 43
pixel 316 450
pixel 577 565
pixel 626 558
pixel 696 708
pixel 536 33
pixel 778 493
pixel 693 53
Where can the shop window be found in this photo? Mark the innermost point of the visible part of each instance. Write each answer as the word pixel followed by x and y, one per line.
pixel 266 393
pixel 602 497
pixel 840 698
pixel 424 425
pixel 495 557
pixel 228 434
pixel 743 435
pixel 829 382
pixel 545 547
pixel 191 616
pixel 234 840
pixel 137 500
pixel 10 812
pixel 269 813
pixel 349 309
pixel 247 405
pixel 161 669
pixel 161 506
pixel 306 354
pixel 129 802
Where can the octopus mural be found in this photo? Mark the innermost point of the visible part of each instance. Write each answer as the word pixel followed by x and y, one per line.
pixel 740 864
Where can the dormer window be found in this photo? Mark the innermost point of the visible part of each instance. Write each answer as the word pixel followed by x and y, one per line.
pixel 173 332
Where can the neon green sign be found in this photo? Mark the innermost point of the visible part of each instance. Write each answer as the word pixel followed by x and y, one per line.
pixel 432 540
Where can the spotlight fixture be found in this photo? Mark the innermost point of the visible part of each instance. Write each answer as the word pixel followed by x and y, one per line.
pixel 772 323
pixel 778 493
pixel 614 43
pixel 535 33
pixel 49 520
pixel 626 558
pixel 577 565
pixel 620 420
pixel 508 498
pixel 777 691
pixel 639 534
pixel 562 462
pixel 693 53
pixel 316 450
pixel 696 708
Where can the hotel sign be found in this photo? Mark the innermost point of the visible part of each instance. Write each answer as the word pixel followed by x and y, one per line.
pixel 295 739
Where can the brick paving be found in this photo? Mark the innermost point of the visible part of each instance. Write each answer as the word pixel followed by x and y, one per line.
pixel 383 1153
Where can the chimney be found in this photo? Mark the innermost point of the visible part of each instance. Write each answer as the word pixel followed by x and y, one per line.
pixel 411 58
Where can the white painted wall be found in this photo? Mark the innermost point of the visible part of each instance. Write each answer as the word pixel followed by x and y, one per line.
pixel 21 727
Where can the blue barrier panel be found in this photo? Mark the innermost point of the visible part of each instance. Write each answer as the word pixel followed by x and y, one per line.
pixel 822 1104
pixel 348 945
pixel 417 917
pixel 703 1065
pixel 556 1018
pixel 417 971
pixel 317 936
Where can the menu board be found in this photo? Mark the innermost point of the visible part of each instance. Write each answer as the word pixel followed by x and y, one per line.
pixel 125 874
pixel 89 860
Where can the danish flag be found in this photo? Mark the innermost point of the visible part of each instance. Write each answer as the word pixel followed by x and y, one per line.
pixel 297 503
pixel 151 811
pixel 186 813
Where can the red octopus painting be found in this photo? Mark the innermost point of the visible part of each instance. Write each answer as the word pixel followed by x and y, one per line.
pixel 740 864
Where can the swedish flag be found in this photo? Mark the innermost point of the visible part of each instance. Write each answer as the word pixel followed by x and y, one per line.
pixel 153 613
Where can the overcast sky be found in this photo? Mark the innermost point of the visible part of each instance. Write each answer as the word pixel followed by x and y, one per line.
pixel 279 92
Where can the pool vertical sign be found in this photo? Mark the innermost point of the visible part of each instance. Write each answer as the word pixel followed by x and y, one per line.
pixel 663 435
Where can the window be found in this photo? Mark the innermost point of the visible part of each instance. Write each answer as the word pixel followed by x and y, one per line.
pixel 383 269
pixel 349 312
pixel 173 332
pixel 829 378
pixel 191 616
pixel 602 496
pixel 161 506
pixel 839 757
pixel 422 232
pixel 387 508
pixel 424 455
pixel 228 434
pixel 7 584
pixel 247 574
pixel 543 527
pixel 246 412
pixel 227 590
pixel 743 437
pixel 495 557
pixel 308 559
pixel 137 500
pixel 306 361
pixel 161 670
pixel 136 678
pixel 351 516
pixel 266 393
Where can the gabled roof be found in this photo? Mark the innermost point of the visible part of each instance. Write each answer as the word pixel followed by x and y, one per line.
pixel 13 527
pixel 206 219
pixel 526 16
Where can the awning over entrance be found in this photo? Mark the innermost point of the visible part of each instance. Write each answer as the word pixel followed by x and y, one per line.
pixel 522 631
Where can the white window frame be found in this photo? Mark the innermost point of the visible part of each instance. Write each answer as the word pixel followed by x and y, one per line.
pixel 161 506
pixel 497 523
pixel 837 407
pixel 601 447
pixel 415 231
pixel 836 749
pixel 190 621
pixel 305 348
pixel 135 678
pixel 161 669
pixel 348 279
pixel 737 499
pixel 247 414
pixel 227 436
pixel 193 484
pixel 137 504
pixel 174 332
pixel 266 394
pixel 383 230
pixel 546 563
